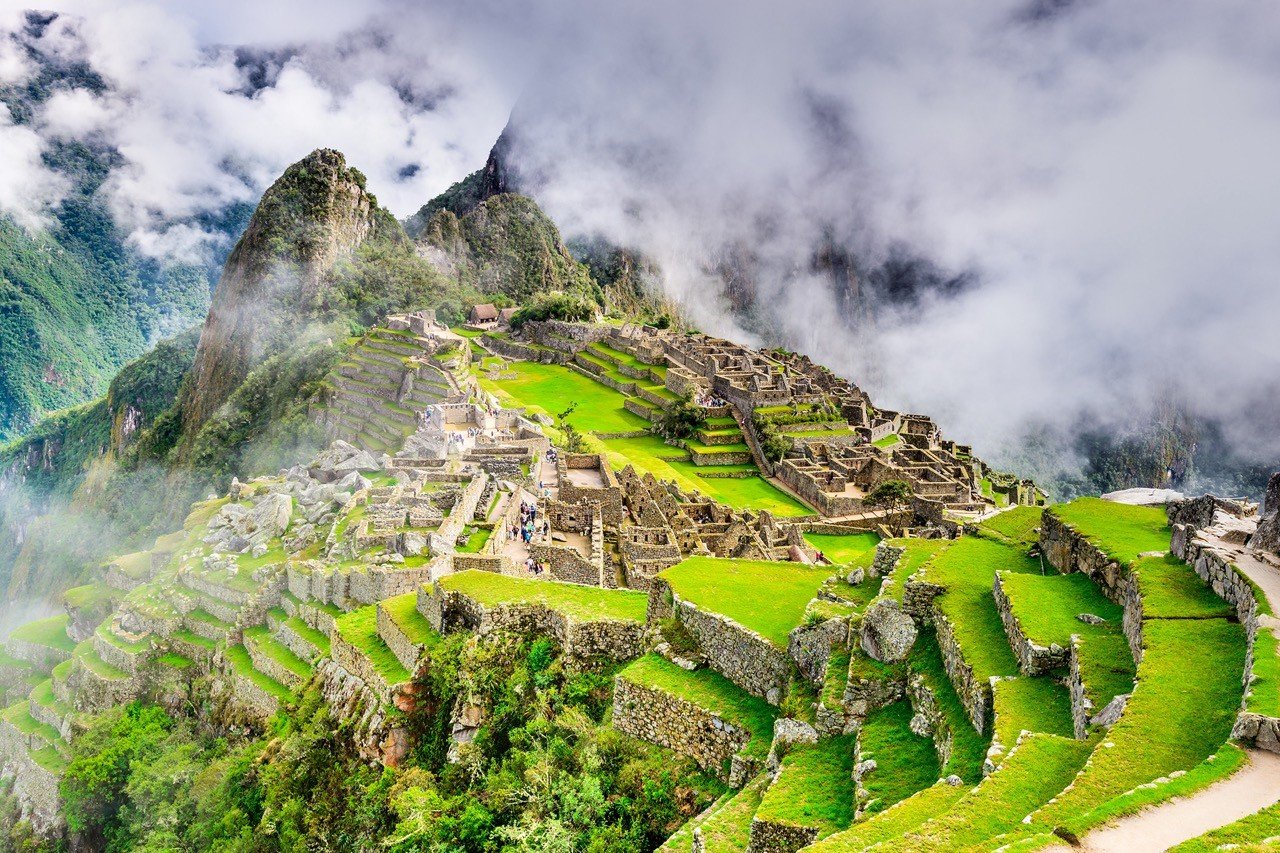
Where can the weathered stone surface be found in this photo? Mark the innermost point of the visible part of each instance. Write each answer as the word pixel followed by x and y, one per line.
pixel 658 717
pixel 1110 714
pixel 786 734
pixel 1033 659
pixel 1267 537
pixel 887 632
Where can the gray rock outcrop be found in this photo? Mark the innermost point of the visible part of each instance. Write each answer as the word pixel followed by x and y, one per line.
pixel 887 632
pixel 1267 537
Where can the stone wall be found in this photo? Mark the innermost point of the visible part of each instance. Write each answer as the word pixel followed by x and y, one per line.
pixel 583 641
pixel 565 564
pixel 974 694
pixel 1068 551
pixel 658 717
pixel 405 649
pixel 358 665
pixel 35 787
pixel 810 646
pixel 736 652
pixel 929 720
pixel 774 837
pixel 1033 659
pixel 864 696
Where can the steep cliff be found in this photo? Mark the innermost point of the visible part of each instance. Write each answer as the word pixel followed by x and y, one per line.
pixel 315 214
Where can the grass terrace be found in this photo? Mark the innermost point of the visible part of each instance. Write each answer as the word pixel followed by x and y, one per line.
pixel 1046 606
pixel 136 566
pixel 729 829
pixel 887 441
pixel 967 570
pixel 1121 531
pixel 175 661
pixel 1038 769
pixel 476 540
pixel 767 597
pixel 918 552
pixel 50 633
pixel 1018 526
pixel 360 629
pixel 43 695
pixel 710 690
pixel 584 603
pixel 905 761
pixel 403 610
pixel 89 595
pixel 1171 590
pixel 1264 692
pixel 319 639
pixel 1031 704
pixel 238 658
pixel 260 638
pixel 1181 712
pixel 844 548
pixel 968 748
pixel 89 658
pixel 888 826
pixel 552 388
pixel 815 787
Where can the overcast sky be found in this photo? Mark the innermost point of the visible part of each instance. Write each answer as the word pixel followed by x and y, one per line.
pixel 1105 172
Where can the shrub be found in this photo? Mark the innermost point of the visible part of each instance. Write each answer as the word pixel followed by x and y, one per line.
pixel 682 419
pixel 556 305
pixel 891 494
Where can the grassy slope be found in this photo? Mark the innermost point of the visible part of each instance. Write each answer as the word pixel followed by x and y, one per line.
pixel 905 761
pixel 768 598
pixel 579 602
pixel 1121 531
pixel 50 632
pixel 815 787
pixel 360 629
pixel 843 549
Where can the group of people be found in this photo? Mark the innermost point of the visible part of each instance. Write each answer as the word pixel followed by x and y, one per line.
pixel 711 401
pixel 528 527
pixel 532 566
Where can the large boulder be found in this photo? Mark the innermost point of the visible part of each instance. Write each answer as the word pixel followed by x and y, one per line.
pixel 1267 538
pixel 887 632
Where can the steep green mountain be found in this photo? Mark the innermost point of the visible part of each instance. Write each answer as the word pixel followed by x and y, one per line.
pixel 318 262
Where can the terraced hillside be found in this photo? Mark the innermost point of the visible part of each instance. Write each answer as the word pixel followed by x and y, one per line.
pixel 925 679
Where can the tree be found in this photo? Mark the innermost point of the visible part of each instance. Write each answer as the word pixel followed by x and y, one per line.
pixel 573 440
pixel 773 444
pixel 891 494
pixel 682 419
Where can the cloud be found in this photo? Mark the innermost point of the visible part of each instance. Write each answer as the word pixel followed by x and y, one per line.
pixel 27 188
pixel 1099 174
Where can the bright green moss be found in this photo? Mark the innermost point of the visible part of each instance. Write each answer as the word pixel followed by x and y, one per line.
pixel 579 602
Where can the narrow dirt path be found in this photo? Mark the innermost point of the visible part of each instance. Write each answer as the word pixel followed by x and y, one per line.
pixel 1254 787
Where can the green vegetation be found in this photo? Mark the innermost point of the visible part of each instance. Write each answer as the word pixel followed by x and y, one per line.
pixel 1046 606
pixel 1264 692
pixel 1181 711
pixel 1017 526
pixel 1121 531
pixel 843 549
pixel 1030 704
pixel 318 639
pixel 967 570
pixel 814 788
pixel 728 829
pixel 905 761
pixel 1037 770
pixel 968 748
pixel 917 552
pixel 238 658
pixel 477 538
pixel 359 628
pixel 767 597
pixel 555 306
pixel 403 610
pixel 889 826
pixel 1171 590
pixel 551 389
pixel 50 632
pixel 1251 834
pixel 579 602
pixel 711 691
pixel 259 637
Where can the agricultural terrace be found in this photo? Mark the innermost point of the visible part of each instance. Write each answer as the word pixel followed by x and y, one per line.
pixel 768 597
pixel 551 389
pixel 1121 531
pixel 844 549
pixel 814 788
pixel 584 603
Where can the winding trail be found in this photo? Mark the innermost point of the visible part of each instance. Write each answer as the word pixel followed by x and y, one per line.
pixel 1255 786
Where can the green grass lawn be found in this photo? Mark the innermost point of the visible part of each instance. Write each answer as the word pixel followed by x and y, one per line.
pixel 1172 590
pixel 1121 531
pixel 1106 665
pixel 815 787
pixel 318 639
pixel 887 827
pixel 43 695
pixel 175 661
pixel 905 762
pixel 887 441
pixel 476 541
pixel 729 829
pixel 1031 704
pixel 552 388
pixel 711 691
pixel 1018 526
pixel 238 657
pixel 1031 775
pixel 50 632
pixel 579 602
pixel 1181 711
pixel 843 549
pixel 89 595
pixel 918 552
pixel 91 661
pixel 403 610
pixel 19 716
pixel 1046 606
pixel 767 597
pixel 263 643
pixel 968 748
pixel 1264 692
pixel 360 629
pixel 967 570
